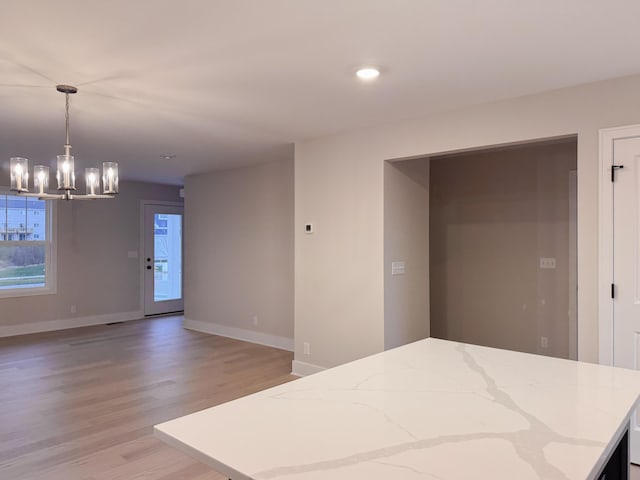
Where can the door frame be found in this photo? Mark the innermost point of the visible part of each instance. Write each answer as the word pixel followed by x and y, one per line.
pixel 143 204
pixel 573 264
pixel 608 137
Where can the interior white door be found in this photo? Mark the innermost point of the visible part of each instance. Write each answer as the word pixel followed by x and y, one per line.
pixel 162 260
pixel 626 264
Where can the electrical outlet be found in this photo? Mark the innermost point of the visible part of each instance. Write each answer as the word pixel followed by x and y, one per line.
pixel 547 262
pixel 254 319
pixel 73 309
pixel 544 342
pixel 307 348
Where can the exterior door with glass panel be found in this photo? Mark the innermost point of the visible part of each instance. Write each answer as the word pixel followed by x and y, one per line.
pixel 162 260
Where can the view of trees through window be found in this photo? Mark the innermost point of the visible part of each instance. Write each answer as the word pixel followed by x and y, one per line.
pixel 23 242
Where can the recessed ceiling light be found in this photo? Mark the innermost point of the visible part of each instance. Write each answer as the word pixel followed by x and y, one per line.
pixel 168 157
pixel 368 73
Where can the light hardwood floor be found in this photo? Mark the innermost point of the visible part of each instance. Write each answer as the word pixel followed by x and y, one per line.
pixel 80 404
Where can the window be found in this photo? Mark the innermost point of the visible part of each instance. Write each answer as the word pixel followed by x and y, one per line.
pixel 27 260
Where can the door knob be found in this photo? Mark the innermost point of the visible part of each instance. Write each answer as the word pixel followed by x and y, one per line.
pixel 148 259
pixel 148 267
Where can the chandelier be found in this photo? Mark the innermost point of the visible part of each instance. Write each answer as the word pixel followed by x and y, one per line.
pixel 65 176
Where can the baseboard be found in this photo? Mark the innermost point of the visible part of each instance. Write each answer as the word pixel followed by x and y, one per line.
pixel 302 369
pixel 282 343
pixel 63 324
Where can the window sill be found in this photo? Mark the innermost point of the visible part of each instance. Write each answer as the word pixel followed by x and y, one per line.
pixel 26 292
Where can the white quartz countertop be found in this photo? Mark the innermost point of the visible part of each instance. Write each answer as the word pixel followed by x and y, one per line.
pixel 432 409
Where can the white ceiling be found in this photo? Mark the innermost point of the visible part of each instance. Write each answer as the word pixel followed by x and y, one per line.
pixel 221 83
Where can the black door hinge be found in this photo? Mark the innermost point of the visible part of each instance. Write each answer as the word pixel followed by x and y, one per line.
pixel 613 171
pixel 613 291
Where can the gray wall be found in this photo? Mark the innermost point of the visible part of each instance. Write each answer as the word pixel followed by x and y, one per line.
pixel 406 239
pixel 239 250
pixel 94 271
pixel 492 216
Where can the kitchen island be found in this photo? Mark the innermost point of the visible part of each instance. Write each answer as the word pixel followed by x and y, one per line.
pixel 433 409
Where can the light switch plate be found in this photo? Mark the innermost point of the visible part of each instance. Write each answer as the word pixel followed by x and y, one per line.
pixel 547 262
pixel 397 268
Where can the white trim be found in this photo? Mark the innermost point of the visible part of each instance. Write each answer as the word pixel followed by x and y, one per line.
pixel 52 284
pixel 141 253
pixel 26 291
pixel 302 369
pixel 573 264
pixel 63 324
pixel 608 136
pixel 51 254
pixel 162 203
pixel 260 338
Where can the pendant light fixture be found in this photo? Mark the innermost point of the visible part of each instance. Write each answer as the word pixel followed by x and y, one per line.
pixel 66 176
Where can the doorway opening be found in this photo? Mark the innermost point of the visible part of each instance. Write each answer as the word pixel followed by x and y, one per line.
pixel 498 263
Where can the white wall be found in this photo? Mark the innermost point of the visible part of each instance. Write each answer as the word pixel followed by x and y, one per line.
pixel 339 272
pixel 338 269
pixel 239 253
pixel 94 271
pixel 406 239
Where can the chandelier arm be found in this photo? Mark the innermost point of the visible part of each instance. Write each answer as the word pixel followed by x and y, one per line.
pixel 48 196
pixel 27 194
pixel 90 197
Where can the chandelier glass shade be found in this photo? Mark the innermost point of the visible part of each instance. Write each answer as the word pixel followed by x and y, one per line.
pixel 66 175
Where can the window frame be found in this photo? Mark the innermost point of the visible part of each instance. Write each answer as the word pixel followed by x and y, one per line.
pixel 51 273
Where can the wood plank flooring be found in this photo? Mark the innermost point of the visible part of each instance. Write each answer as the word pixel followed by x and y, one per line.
pixel 80 404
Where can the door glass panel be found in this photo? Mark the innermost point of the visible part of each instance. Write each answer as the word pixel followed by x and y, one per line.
pixel 167 257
